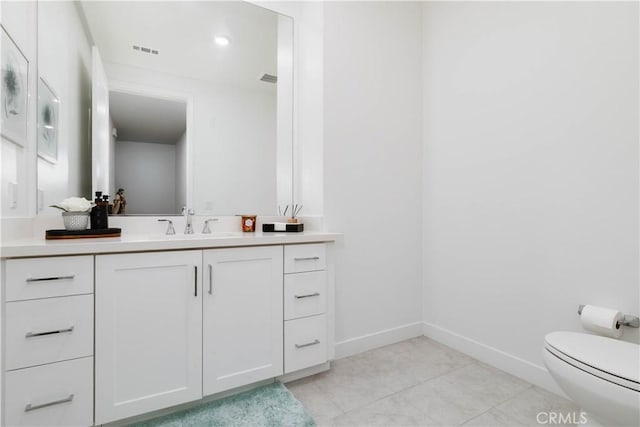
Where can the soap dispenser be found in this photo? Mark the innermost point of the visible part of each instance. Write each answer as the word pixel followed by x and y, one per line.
pixel 99 213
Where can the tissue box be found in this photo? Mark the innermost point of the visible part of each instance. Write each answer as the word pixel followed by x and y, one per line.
pixel 283 227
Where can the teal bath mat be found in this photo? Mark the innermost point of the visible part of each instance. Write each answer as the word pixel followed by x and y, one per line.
pixel 268 406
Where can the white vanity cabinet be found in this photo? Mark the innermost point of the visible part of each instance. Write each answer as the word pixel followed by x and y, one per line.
pixel 48 341
pixel 242 316
pixel 148 332
pixel 91 339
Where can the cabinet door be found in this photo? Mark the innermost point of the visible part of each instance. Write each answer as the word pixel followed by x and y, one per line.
pixel 148 334
pixel 242 326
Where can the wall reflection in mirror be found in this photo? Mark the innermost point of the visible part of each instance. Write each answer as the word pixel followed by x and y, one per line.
pixel 151 104
pixel 148 148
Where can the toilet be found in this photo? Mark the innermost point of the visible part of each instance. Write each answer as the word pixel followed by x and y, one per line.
pixel 600 374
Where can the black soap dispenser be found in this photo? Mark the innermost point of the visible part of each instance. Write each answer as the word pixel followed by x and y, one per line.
pixel 100 213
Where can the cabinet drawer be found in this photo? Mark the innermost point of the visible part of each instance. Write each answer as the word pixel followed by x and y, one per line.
pixel 33 278
pixel 305 294
pixel 48 330
pixel 59 394
pixel 299 258
pixel 305 342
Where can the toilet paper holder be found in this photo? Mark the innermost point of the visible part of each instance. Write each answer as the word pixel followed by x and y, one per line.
pixel 629 320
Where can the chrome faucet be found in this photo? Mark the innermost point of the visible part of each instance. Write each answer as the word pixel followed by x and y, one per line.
pixel 188 213
pixel 206 229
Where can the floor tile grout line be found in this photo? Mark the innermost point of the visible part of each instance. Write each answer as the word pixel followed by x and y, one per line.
pixel 500 403
pixel 405 389
pixel 474 417
pixel 472 361
pixel 529 387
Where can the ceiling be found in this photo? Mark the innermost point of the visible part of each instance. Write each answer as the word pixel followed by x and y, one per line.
pixel 143 119
pixel 182 32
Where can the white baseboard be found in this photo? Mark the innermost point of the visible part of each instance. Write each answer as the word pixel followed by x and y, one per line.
pixel 535 374
pixel 378 339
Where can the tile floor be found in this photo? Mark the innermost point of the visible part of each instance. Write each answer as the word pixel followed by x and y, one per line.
pixel 420 382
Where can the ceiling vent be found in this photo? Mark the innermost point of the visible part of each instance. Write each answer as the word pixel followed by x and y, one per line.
pixel 145 50
pixel 269 78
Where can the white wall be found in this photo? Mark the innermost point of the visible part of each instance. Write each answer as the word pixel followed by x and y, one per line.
pixel 233 141
pixel 64 61
pixel 530 172
pixel 147 172
pixel 372 167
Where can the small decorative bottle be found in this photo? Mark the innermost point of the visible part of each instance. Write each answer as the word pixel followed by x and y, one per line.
pixel 99 213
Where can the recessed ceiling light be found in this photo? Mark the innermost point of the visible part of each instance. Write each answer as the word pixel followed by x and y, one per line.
pixel 222 40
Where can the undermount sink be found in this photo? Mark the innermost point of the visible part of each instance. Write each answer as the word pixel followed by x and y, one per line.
pixel 213 235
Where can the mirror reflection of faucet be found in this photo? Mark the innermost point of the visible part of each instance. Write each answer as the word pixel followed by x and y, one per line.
pixel 170 229
pixel 188 213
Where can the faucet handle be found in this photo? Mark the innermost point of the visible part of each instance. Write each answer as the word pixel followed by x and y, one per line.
pixel 206 229
pixel 170 228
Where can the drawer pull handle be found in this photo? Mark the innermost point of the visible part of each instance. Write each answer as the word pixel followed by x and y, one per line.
pixel 315 294
pixel 39 334
pixel 314 342
pixel 309 258
pixel 49 279
pixel 31 407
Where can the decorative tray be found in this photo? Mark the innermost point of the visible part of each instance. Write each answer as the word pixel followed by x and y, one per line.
pixel 82 234
pixel 283 227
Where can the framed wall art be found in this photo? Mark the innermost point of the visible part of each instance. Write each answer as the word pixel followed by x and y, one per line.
pixel 48 104
pixel 14 93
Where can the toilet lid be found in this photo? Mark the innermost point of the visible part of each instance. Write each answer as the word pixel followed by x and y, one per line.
pixel 611 359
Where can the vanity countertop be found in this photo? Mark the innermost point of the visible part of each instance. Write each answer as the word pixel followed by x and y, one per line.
pixel 139 242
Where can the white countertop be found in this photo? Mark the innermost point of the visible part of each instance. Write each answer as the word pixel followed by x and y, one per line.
pixel 151 242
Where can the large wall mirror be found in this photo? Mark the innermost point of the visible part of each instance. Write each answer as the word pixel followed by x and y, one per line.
pixel 179 103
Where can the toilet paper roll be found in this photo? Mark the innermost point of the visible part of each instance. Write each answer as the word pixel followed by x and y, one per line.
pixel 602 320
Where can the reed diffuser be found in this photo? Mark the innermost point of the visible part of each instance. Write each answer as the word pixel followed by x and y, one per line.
pixel 294 214
pixel 291 226
pixel 295 210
